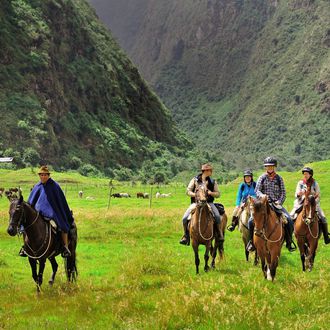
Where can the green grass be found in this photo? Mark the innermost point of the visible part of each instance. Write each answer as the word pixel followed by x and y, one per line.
pixel 133 274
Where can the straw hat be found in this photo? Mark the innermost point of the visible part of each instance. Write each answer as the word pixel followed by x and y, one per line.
pixel 206 167
pixel 44 170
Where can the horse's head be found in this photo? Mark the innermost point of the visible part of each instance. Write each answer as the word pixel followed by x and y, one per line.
pixel 260 211
pixel 201 194
pixel 309 208
pixel 16 212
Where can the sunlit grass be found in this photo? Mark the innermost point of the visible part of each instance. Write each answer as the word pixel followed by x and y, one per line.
pixel 133 274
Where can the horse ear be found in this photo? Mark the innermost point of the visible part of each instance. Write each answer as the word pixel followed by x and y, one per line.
pixel 8 194
pixel 20 198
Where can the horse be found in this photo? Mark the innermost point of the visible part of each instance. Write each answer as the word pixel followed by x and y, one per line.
pixel 268 236
pixel 202 230
pixel 41 241
pixel 306 230
pixel 244 229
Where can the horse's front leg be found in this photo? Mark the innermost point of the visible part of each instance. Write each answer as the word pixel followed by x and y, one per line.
pixel 54 268
pixel 206 256
pixel 42 264
pixel 195 247
pixel 33 264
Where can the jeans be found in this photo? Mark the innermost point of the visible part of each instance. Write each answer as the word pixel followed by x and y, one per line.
pixel 193 205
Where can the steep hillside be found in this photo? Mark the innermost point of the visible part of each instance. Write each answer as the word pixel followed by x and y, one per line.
pixel 251 77
pixel 70 96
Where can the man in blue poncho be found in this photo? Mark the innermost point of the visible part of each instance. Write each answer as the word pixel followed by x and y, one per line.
pixel 48 198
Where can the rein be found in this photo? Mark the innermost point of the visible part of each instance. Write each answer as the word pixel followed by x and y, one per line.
pixel 199 224
pixel 48 236
pixel 262 233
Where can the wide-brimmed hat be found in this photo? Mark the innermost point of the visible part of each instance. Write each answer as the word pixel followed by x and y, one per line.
pixel 206 167
pixel 44 170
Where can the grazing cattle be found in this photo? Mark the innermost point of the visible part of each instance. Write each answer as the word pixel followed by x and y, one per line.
pixel 126 195
pixel 139 195
pixel 116 195
pixel 80 194
pixel 145 195
pixel 157 194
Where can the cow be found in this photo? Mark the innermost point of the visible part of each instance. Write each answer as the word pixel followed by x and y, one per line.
pixel 80 194
pixel 145 195
pixel 116 195
pixel 126 195
pixel 139 195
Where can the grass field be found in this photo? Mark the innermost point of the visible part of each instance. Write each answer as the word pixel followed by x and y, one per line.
pixel 133 274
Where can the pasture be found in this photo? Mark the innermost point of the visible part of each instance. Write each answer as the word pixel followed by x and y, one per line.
pixel 133 274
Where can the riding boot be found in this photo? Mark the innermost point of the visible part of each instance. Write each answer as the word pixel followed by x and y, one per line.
pixel 219 231
pixel 250 246
pixel 288 230
pixel 22 252
pixel 185 240
pixel 234 223
pixel 324 227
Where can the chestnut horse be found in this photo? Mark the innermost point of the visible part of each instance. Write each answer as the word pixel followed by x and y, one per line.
pixel 202 231
pixel 268 236
pixel 306 230
pixel 40 240
pixel 244 217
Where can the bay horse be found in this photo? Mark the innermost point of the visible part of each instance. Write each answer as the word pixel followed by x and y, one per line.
pixel 41 241
pixel 202 231
pixel 243 226
pixel 306 230
pixel 268 236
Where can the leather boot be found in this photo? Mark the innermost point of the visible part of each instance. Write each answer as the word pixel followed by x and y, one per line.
pixel 250 246
pixel 219 231
pixel 185 240
pixel 290 245
pixel 234 223
pixel 324 227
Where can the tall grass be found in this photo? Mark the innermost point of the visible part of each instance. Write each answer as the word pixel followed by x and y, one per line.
pixel 133 274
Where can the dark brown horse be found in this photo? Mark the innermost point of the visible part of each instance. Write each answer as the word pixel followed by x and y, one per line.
pixel 40 240
pixel 268 236
pixel 202 231
pixel 306 230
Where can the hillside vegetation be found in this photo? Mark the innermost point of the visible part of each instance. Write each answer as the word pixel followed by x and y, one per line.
pixel 244 78
pixel 71 97
pixel 133 274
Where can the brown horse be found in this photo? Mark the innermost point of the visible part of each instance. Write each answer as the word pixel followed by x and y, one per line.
pixel 244 217
pixel 40 240
pixel 202 231
pixel 268 236
pixel 306 230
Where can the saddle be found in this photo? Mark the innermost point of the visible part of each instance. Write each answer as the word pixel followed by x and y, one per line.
pixel 279 212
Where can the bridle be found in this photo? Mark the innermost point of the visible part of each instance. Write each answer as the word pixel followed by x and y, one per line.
pixel 22 222
pixel 201 204
pixel 262 232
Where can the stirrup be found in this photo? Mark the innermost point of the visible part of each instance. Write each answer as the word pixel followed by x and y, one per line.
pixel 185 241
pixel 290 247
pixel 250 246
pixel 66 252
pixel 22 252
pixel 231 227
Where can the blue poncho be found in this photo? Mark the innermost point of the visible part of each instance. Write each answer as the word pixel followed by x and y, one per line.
pixel 49 200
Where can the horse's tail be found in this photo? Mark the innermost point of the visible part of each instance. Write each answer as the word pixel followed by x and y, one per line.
pixel 71 262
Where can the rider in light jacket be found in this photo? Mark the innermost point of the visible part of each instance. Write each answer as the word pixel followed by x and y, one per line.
pixel 309 182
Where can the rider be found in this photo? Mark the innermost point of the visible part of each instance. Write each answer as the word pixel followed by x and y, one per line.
pixel 49 200
pixel 309 182
pixel 270 184
pixel 246 189
pixel 204 178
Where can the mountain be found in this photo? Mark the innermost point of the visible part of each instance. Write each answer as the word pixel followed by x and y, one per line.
pixel 70 96
pixel 246 78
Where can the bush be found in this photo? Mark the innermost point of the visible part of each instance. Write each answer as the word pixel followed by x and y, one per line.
pixel 89 170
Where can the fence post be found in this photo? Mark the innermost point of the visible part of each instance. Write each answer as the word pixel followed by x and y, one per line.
pixel 110 193
pixel 150 199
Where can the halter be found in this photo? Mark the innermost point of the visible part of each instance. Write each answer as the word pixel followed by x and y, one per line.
pixel 308 219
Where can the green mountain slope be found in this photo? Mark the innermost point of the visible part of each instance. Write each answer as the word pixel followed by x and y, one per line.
pixel 249 78
pixel 70 96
